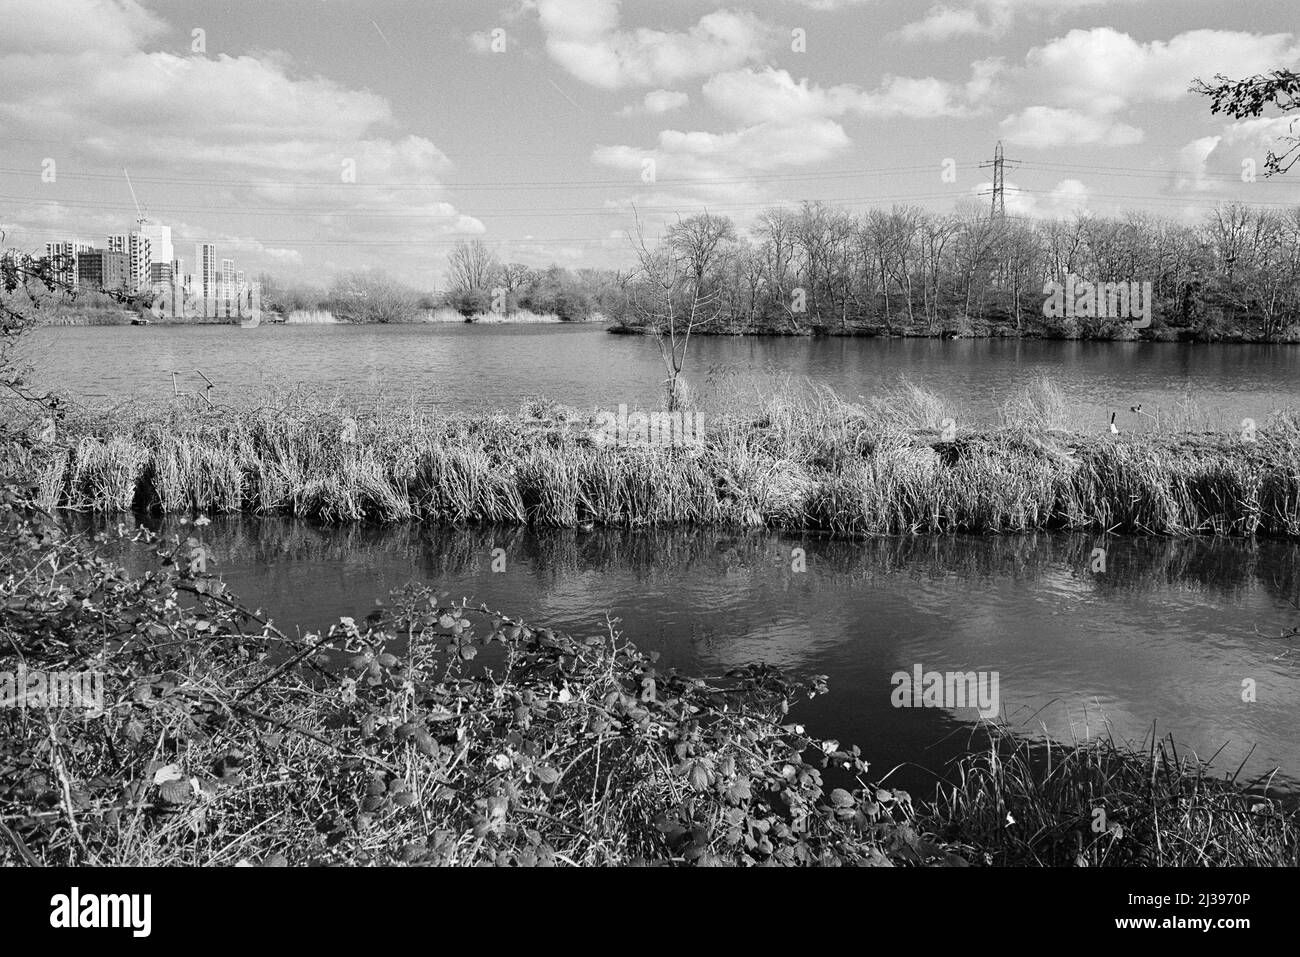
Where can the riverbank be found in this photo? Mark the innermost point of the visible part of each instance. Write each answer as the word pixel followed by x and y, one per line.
pixel 979 329
pixel 799 461
pixel 305 317
pixel 220 738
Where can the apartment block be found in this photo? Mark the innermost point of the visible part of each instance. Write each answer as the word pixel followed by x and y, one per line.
pixel 137 248
pixel 104 270
pixel 62 256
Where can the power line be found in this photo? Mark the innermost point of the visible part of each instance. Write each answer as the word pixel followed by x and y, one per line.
pixel 631 182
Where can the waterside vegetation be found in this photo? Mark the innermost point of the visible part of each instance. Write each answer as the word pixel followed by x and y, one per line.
pixel 802 460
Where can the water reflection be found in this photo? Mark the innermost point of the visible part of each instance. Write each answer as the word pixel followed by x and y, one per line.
pixel 498 367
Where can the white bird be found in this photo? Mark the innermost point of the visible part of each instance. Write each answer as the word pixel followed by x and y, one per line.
pixel 1114 429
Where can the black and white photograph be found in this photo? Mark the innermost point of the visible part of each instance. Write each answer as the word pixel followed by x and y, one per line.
pixel 611 433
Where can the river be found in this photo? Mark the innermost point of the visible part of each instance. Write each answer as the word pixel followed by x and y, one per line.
pixel 485 368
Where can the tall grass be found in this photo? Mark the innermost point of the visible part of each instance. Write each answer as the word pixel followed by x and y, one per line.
pixel 800 459
pixel 1101 803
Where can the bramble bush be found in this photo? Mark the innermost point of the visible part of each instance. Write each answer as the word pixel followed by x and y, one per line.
pixel 430 732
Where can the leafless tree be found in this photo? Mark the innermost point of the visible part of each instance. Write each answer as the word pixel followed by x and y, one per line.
pixel 472 266
pixel 678 289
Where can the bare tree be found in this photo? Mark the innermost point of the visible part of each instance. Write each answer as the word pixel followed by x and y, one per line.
pixel 679 289
pixel 472 266
pixel 372 297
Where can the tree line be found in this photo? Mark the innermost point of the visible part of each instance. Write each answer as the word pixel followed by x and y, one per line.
pixel 478 283
pixel 821 269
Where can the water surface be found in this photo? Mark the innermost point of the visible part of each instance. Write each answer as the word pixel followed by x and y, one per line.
pixel 1164 638
pixel 500 366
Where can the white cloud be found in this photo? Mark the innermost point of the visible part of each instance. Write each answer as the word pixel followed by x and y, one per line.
pixel 38 27
pixel 657 102
pixel 944 23
pixel 584 38
pixel 827 5
pixel 1067 198
pixel 986 18
pixel 1103 70
pixel 1210 162
pixel 663 101
pixel 1085 79
pixel 1046 126
pixel 774 96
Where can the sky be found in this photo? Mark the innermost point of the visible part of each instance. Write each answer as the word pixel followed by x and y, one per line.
pixel 311 137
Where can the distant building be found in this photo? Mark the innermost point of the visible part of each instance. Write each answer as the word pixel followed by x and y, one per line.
pixel 137 248
pixel 161 251
pixel 161 273
pixel 62 257
pixel 105 270
pixel 204 278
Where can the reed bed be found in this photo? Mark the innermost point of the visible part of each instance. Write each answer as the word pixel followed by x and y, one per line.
pixel 1102 803
pixel 802 460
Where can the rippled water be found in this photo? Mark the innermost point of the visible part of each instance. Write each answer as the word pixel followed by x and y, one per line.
pixel 491 367
pixel 1164 638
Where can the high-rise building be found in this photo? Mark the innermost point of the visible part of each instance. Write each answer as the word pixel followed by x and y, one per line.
pixel 136 246
pixel 160 241
pixel 205 270
pixel 104 270
pixel 62 256
pixel 228 271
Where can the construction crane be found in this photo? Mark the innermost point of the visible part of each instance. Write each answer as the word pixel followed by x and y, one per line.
pixel 140 217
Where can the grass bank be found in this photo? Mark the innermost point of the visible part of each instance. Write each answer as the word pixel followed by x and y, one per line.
pixel 219 738
pixel 797 461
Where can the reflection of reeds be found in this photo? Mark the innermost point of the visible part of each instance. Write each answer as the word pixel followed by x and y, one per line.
pixel 802 461
pixel 1219 567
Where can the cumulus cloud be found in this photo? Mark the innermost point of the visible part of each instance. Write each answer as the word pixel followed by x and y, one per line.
pixel 772 95
pixel 40 27
pixel 657 102
pixel 945 23
pixel 986 18
pixel 1086 79
pixel 779 123
pixel 584 37
pixel 1208 162
pixel 1103 70
pixel 1046 126
pixel 1067 198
